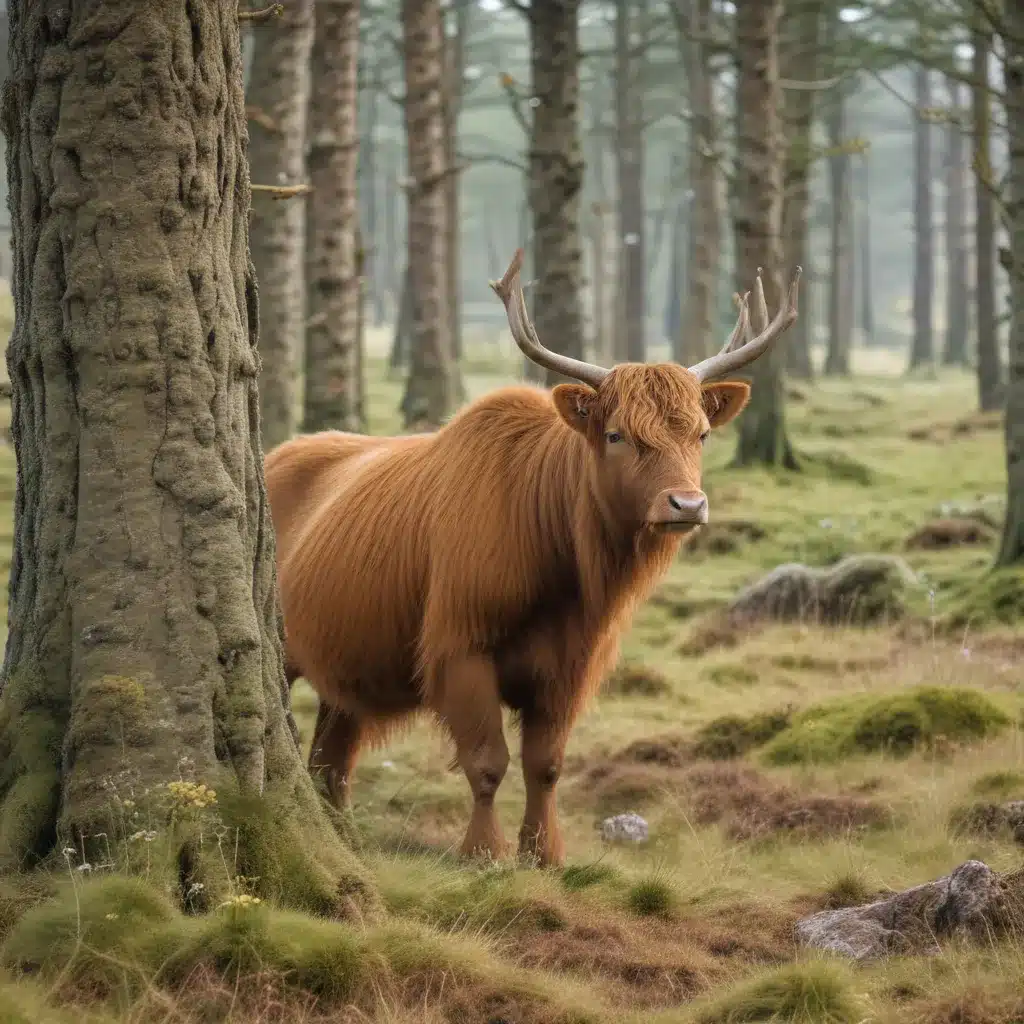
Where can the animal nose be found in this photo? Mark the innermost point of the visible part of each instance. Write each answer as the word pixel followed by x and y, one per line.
pixel 688 506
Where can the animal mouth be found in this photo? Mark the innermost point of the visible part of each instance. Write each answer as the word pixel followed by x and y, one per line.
pixel 675 527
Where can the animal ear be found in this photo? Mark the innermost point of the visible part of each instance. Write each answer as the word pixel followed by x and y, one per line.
pixel 575 403
pixel 725 401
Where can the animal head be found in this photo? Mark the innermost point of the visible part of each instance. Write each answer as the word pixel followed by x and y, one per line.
pixel 646 424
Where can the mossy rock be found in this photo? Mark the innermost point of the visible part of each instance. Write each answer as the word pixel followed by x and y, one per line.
pixel 857 590
pixel 896 724
pixel 732 736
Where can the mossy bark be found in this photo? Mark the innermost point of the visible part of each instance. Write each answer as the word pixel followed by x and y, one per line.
pixel 757 221
pixel 277 98
pixel 332 276
pixel 144 629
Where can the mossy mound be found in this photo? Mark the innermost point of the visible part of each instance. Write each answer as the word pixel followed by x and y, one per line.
pixel 816 992
pixel 857 590
pixel 732 736
pixel 895 724
pixel 633 679
pixel 951 532
pixel 995 598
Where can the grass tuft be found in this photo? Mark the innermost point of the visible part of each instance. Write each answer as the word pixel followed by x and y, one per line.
pixel 651 897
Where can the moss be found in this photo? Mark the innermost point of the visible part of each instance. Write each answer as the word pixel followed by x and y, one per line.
pixel 999 784
pixel 838 466
pixel 996 597
pixel 894 724
pixel 808 993
pixel 632 679
pixel 651 897
pixel 577 877
pixel 734 735
pixel 731 675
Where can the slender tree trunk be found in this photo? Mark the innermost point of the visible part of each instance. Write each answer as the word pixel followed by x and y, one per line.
pixel 841 276
pixel 455 71
pixel 955 348
pixel 1011 549
pixel 431 387
pixel 401 337
pixel 673 327
pixel 332 280
pixel 630 26
pixel 863 240
pixel 278 96
pixel 369 192
pixel 758 220
pixel 922 352
pixel 144 640
pixel 989 365
pixel 800 58
pixel 392 256
pixel 603 300
pixel 556 177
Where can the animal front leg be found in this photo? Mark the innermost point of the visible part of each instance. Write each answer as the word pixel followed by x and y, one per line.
pixel 540 838
pixel 467 700
pixel 334 750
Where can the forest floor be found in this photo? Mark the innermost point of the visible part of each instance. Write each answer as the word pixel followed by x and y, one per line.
pixel 747 832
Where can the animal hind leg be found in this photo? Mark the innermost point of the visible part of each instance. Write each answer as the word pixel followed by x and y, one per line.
pixel 335 747
pixel 466 698
pixel 540 837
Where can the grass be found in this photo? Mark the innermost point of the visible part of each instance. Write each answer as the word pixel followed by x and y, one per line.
pixel 783 768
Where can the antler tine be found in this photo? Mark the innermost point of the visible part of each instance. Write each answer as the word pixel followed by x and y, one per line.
pixel 762 305
pixel 731 359
pixel 741 332
pixel 510 290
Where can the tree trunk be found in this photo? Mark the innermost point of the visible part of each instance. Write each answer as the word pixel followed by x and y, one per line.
pixel 629 153
pixel 1011 550
pixel 955 349
pixel 368 188
pixel 800 59
pixel 841 276
pixel 392 258
pixel 990 372
pixel 922 352
pixel 400 340
pixel 863 241
pixel 455 70
pixel 758 221
pixel 602 290
pixel 430 387
pixel 673 327
pixel 277 98
pixel 556 177
pixel 144 640
pixel 332 280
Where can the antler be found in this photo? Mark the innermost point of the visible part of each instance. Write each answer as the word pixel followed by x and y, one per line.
pixel 742 347
pixel 510 290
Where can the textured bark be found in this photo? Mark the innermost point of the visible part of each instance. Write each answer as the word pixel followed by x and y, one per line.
pixel 277 97
pixel 841 264
pixel 757 221
pixel 803 31
pixel 922 350
pixel 455 70
pixel 430 387
pixel 556 178
pixel 989 365
pixel 630 29
pixel 1011 549
pixel 333 287
pixel 954 351
pixel 707 190
pixel 144 635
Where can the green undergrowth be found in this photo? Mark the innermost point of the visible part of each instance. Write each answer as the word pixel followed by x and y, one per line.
pixel 894 724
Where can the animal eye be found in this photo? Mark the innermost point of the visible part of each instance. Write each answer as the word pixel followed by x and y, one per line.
pixel 613 437
pixel 705 436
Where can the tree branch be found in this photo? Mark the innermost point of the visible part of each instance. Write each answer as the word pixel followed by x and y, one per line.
pixel 265 14
pixel 283 191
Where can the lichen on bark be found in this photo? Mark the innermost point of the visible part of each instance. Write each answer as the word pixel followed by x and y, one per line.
pixel 144 625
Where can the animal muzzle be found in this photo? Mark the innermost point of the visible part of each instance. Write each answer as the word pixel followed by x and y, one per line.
pixel 678 510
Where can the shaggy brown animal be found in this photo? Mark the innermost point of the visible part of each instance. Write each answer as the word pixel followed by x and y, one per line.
pixel 496 561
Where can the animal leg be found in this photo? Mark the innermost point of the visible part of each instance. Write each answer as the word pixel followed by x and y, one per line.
pixel 540 838
pixel 468 702
pixel 335 748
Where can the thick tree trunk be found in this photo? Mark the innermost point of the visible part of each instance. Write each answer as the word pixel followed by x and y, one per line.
pixel 1011 549
pixel 955 349
pixel 989 365
pixel 431 387
pixel 332 281
pixel 922 351
pixel 863 242
pixel 630 28
pixel 277 98
pixel 455 70
pixel 697 338
pixel 800 56
pixel 144 639
pixel 841 276
pixel 758 221
pixel 556 177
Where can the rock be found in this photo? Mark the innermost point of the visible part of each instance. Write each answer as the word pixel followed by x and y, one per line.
pixel 969 901
pixel 859 589
pixel 629 827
